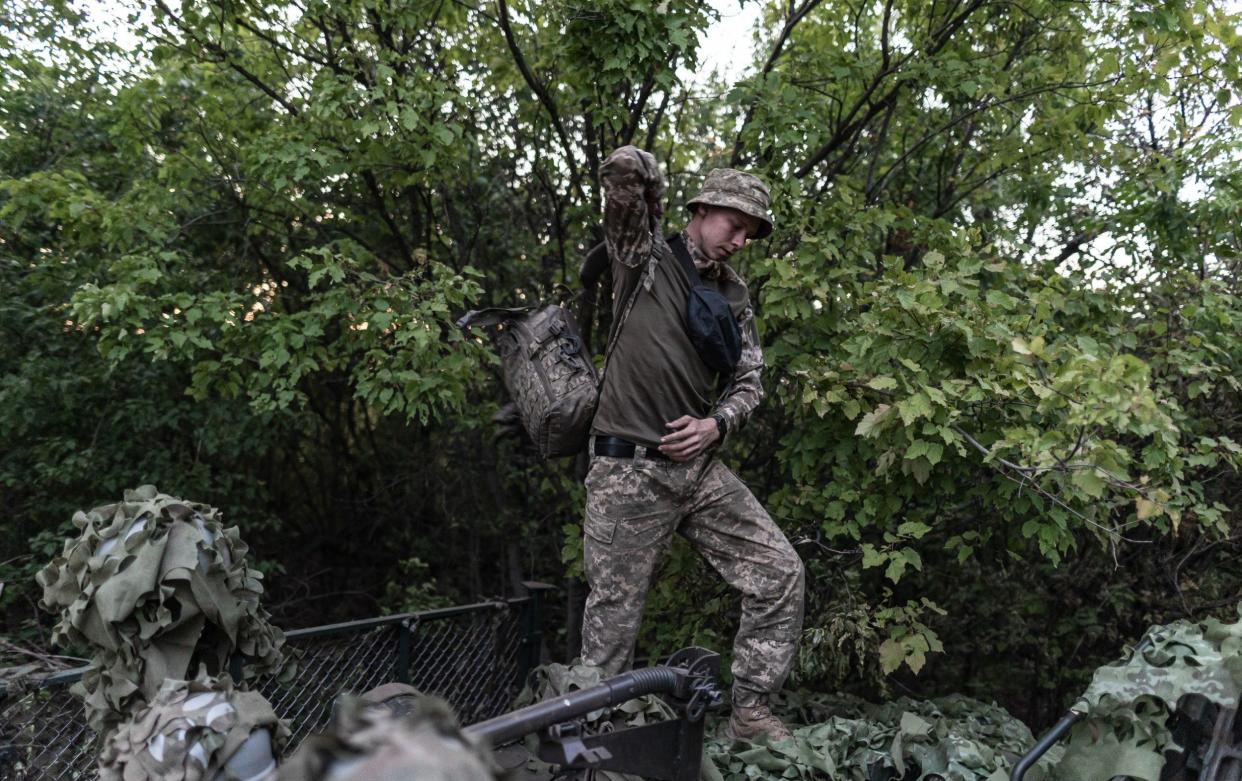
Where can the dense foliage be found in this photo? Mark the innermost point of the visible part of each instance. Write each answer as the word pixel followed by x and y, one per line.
pixel 1000 310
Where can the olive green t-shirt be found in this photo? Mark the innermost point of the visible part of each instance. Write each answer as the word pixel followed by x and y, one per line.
pixel 654 375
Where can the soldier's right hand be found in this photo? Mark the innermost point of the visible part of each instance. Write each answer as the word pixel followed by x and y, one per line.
pixel 629 164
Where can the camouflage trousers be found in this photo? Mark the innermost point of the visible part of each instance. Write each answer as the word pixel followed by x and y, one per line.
pixel 633 507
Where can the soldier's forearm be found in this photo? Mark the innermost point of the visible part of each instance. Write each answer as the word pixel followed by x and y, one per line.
pixel 741 401
pixel 632 184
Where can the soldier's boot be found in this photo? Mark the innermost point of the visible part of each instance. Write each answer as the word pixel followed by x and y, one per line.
pixel 748 723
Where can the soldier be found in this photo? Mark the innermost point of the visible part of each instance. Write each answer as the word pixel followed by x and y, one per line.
pixel 660 419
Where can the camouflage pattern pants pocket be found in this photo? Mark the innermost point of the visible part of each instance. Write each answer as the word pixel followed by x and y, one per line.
pixel 630 519
pixel 633 508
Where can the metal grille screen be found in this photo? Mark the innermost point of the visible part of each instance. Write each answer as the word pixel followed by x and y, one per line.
pixel 472 656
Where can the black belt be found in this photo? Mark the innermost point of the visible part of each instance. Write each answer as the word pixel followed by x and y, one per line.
pixel 616 447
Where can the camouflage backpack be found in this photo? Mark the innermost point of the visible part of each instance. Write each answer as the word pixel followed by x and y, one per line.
pixel 547 370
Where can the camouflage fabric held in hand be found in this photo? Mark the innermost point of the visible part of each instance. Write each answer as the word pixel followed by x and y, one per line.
pixel 192 730
pixel 155 587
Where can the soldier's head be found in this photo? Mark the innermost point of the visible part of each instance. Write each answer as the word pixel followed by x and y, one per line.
pixel 731 208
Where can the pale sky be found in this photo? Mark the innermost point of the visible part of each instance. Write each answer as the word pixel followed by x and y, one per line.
pixel 728 46
pixel 729 43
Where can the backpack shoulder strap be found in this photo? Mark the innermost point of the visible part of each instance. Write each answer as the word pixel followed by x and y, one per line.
pixel 616 332
pixel 491 316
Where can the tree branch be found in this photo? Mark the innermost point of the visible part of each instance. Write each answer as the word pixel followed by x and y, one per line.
pixel 541 94
pixel 654 127
pixel 378 196
pixel 636 113
pixel 223 56
pixel 852 126
pixel 1075 244
pixel 792 17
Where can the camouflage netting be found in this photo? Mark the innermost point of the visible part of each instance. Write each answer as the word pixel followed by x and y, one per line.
pixel 366 742
pixel 953 738
pixel 156 588
pixel 192 730
pixel 835 737
pixel 1129 704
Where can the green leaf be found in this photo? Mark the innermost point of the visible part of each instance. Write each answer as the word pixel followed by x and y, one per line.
pixel 873 421
pixel 914 407
pixel 872 557
pixel 892 654
pixel 1090 483
pixel 920 469
pixel 896 568
pixel 443 134
pixel 913 529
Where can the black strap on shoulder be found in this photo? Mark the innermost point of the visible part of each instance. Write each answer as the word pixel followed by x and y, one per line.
pixel 678 245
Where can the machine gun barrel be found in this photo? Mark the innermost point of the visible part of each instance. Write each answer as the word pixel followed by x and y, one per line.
pixel 541 715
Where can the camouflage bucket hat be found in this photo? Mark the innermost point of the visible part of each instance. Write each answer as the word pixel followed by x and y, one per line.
pixel 737 190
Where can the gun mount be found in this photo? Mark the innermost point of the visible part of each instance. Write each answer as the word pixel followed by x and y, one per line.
pixel 667 751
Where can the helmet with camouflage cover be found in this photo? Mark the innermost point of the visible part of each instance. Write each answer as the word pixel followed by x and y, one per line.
pixel 155 587
pixel 191 730
pixel 397 698
pixel 368 742
pixel 739 190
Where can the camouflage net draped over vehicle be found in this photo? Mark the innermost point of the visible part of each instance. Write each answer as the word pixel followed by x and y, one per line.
pixel 1130 704
pixel 155 587
pixel 952 738
pixel 191 730
pixel 840 737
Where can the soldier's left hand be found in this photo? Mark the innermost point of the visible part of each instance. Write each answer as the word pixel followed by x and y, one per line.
pixel 690 437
